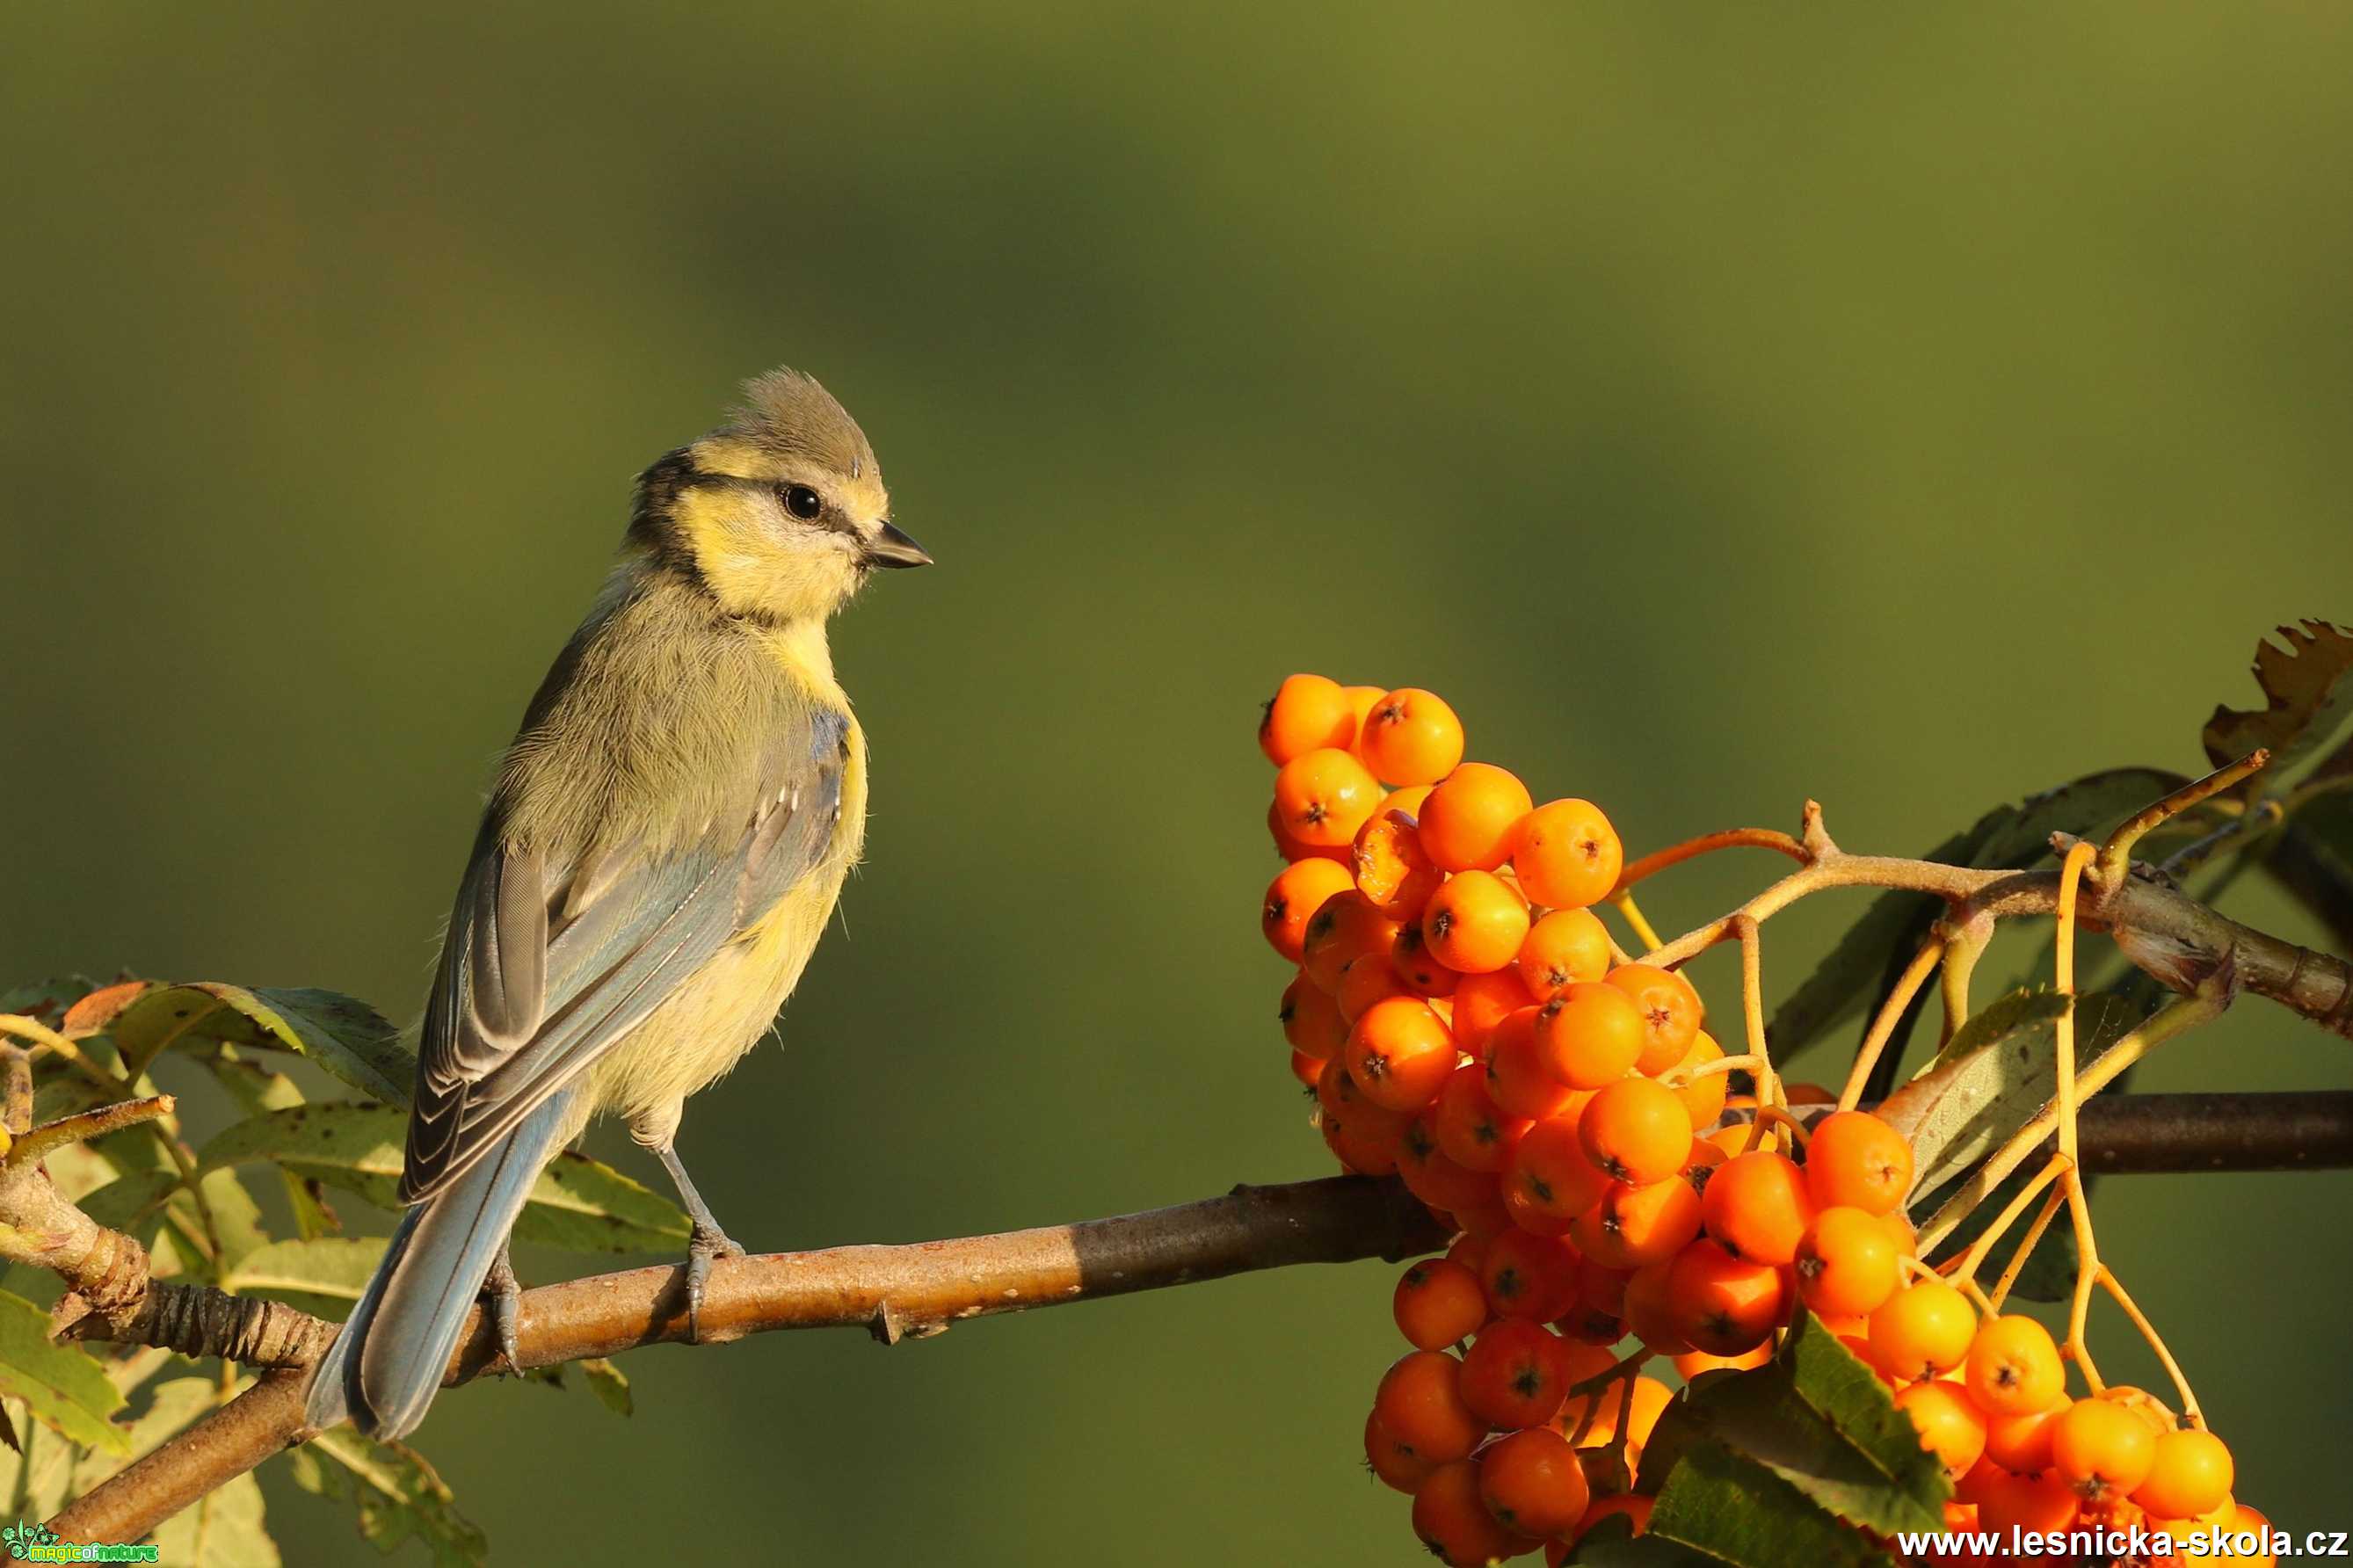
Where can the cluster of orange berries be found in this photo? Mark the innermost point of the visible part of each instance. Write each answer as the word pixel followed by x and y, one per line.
pixel 1466 1024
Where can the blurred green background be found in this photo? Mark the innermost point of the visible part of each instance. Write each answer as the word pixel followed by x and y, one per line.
pixel 1910 407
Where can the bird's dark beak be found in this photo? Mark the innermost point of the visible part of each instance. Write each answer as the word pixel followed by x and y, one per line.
pixel 891 547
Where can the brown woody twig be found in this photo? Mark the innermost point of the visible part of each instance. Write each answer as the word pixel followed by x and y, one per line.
pixel 913 1292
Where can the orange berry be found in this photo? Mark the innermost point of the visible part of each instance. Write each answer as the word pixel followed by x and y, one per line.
pixel 1924 1328
pixel 2190 1474
pixel 1521 1211
pixel 1517 1075
pixel 1366 1148
pixel 1294 895
pixel 1670 1009
pixel 1601 1287
pixel 1311 1021
pixel 1484 1001
pixel 1471 818
pixel 1568 855
pixel 1436 1303
pixel 1307 1069
pixel 1756 1208
pixel 1549 1170
pixel 1512 1374
pixel 1650 1309
pixel 1419 1403
pixel 1345 926
pixel 2104 1451
pixel 1636 1131
pixel 1397 1464
pixel 1408 800
pixel 1360 701
pixel 1531 1482
pixel 1634 1225
pixel 1411 737
pixel 1651 1399
pixel 1472 1130
pixel 1720 1303
pixel 1857 1160
pixel 1307 713
pixel 2013 1367
pixel 1391 866
pixel 1438 1181
pixel 1633 1506
pixel 1692 1364
pixel 1399 1053
pixel 1290 849
pixel 1589 1034
pixel 1704 1098
pixel 1475 924
pixel 1325 796
pixel 2021 1443
pixel 1488 1217
pixel 1451 1521
pixel 1846 1263
pixel 2044 1504
pixel 1365 979
pixel 1417 969
pixel 1470 1251
pixel 1529 1275
pixel 1859 1347
pixel 1566 946
pixel 1950 1427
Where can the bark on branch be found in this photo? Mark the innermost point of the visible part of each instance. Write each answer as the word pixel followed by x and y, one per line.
pixel 914 1291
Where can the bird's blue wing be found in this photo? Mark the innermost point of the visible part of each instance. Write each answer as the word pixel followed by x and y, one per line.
pixel 546 966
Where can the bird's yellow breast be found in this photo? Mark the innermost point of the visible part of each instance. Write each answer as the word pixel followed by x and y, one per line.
pixel 714 1017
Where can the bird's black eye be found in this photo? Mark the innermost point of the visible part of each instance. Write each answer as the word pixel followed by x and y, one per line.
pixel 804 503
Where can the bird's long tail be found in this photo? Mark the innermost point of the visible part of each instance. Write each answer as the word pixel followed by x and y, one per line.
pixel 383 1369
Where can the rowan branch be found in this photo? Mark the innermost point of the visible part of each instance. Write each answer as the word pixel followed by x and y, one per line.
pixel 2173 937
pixel 915 1292
pixel 893 1292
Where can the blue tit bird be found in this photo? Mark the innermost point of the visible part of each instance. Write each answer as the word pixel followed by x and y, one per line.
pixel 665 841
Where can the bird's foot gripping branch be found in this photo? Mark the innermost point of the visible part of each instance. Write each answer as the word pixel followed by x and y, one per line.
pixel 1617 1193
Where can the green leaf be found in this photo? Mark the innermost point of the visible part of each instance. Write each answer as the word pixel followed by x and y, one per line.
pixel 579 1204
pixel 1613 1544
pixel 610 1384
pixel 36 1480
pixel 46 1000
pixel 2049 1274
pixel 172 1407
pixel 1969 1102
pixel 236 1218
pixel 2308 701
pixel 1877 946
pixel 1823 1423
pixel 63 1385
pixel 347 1037
pixel 396 1494
pixel 334 1266
pixel 258 1089
pixel 2312 857
pixel 2005 1019
pixel 132 1204
pixel 585 1205
pixel 1737 1512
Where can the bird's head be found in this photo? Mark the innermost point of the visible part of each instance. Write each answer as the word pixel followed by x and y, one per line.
pixel 779 513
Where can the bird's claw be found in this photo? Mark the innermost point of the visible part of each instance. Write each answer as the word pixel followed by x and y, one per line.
pixel 703 1244
pixel 501 1293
